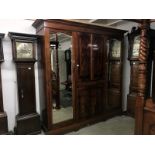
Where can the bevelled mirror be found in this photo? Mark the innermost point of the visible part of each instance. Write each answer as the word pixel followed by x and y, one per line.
pixel 61 50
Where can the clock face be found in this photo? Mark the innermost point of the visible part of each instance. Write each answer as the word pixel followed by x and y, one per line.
pixel 24 50
pixel 136 46
pixel 116 48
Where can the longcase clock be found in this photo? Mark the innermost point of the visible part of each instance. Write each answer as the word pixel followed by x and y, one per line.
pixel 3 116
pixel 24 49
pixel 114 45
pixel 133 56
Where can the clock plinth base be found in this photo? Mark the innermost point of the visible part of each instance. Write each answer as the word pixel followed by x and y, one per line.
pixel 131 101
pixel 3 123
pixel 28 124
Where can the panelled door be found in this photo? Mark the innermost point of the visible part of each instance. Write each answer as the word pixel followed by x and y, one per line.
pixel 26 89
pixel 90 70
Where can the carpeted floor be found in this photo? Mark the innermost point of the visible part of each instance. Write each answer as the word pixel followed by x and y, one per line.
pixel 121 125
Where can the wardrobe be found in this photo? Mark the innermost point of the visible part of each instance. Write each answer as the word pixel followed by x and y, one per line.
pixel 96 72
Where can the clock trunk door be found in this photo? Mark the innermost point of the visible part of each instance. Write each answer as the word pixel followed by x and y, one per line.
pixel 26 88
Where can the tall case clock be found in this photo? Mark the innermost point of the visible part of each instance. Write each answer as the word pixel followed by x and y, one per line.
pixel 133 57
pixel 115 48
pixel 24 51
pixel 3 116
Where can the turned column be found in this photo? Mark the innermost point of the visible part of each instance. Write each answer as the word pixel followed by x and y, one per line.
pixel 142 76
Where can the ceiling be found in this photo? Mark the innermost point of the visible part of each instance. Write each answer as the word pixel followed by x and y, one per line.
pixel 102 22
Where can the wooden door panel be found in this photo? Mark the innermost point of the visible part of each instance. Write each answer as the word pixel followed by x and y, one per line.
pixel 83 103
pixel 91 102
pixel 100 100
pixel 98 56
pixel 90 75
pixel 26 90
pixel 84 57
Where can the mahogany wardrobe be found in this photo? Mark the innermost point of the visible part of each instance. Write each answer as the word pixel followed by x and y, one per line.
pixel 91 88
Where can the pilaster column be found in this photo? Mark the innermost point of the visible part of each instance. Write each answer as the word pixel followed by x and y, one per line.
pixel 142 76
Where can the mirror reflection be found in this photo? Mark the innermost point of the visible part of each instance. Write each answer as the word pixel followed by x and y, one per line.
pixel 116 48
pixel 136 46
pixel 60 46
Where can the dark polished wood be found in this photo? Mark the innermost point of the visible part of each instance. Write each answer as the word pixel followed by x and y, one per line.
pixel 28 120
pixel 149 107
pixel 72 26
pixel 142 77
pixel 149 118
pixel 90 67
pixel 3 115
pixel 84 62
pixel 134 67
pixel 114 72
pixel 26 89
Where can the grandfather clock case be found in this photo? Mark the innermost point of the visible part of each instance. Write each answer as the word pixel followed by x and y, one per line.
pixel 115 55
pixel 3 116
pixel 133 57
pixel 24 49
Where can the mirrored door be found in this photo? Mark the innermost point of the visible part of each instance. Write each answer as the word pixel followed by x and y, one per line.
pixel 61 75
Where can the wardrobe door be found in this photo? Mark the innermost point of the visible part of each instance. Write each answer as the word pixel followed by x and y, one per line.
pixel 90 102
pixel 98 56
pixel 90 98
pixel 84 55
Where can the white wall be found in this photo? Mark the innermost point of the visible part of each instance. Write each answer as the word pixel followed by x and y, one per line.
pixel 9 80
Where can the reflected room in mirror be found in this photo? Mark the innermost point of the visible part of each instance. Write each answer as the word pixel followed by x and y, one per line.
pixel 60 47
pixel 136 46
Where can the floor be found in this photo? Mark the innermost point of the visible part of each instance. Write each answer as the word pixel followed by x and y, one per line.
pixel 121 125
pixel 65 98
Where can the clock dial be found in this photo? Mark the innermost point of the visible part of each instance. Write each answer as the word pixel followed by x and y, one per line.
pixel 136 46
pixel 24 50
pixel 116 48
